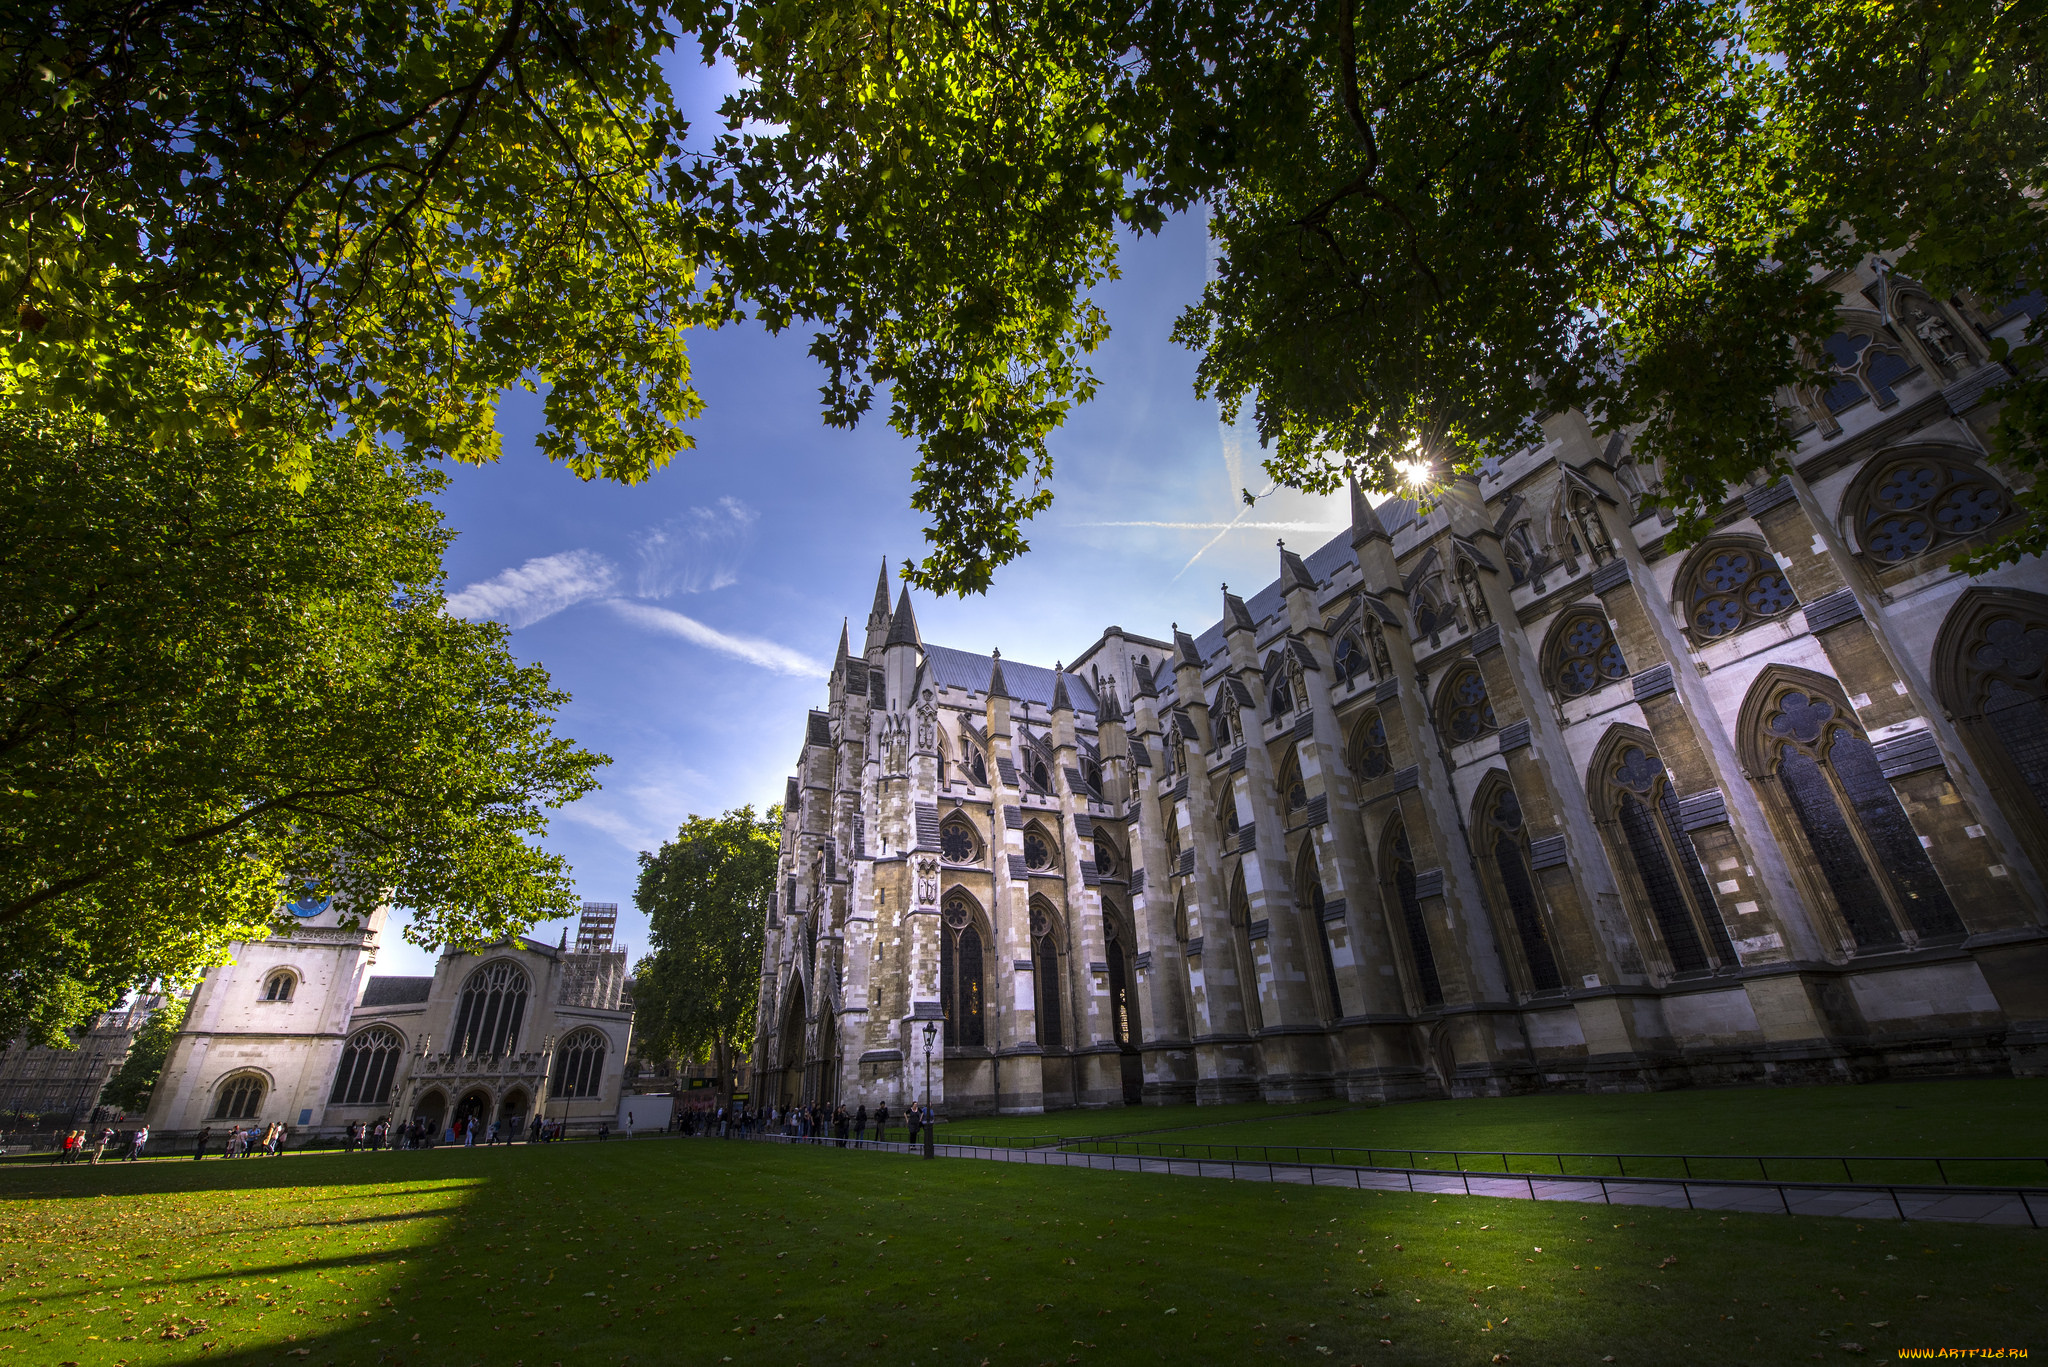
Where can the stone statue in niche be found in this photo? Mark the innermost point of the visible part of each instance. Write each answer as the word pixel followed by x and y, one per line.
pixel 927 881
pixel 1935 335
pixel 895 742
pixel 927 724
pixel 1376 641
pixel 1470 591
pixel 1297 680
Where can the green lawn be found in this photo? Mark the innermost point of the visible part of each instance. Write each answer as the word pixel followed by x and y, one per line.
pixel 697 1251
pixel 1990 1116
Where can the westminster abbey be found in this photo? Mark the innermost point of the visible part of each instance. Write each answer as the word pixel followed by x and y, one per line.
pixel 1505 797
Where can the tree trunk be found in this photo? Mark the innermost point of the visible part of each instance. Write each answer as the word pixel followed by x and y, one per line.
pixel 718 1059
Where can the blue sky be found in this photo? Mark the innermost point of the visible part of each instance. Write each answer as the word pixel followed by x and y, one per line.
pixel 692 617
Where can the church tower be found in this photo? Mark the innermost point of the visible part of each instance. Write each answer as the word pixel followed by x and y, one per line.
pixel 264 1032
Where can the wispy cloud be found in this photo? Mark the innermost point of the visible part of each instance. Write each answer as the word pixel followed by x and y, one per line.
pixel 751 649
pixel 536 590
pixel 696 552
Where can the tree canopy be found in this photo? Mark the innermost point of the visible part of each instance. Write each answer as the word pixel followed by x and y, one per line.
pixel 705 894
pixel 225 684
pixel 1435 220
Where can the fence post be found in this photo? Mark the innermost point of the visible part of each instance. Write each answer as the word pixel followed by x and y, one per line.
pixel 1896 1204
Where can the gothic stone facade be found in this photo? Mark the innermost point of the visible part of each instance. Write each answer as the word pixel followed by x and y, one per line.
pixel 1504 797
pixel 297 1029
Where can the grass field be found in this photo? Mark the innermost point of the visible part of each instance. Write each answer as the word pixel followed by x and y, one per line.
pixel 1989 1116
pixel 698 1251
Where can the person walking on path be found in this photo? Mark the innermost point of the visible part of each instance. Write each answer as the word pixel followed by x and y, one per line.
pixel 100 1149
pixel 534 1133
pixel 199 1145
pixel 841 1123
pixel 860 1124
pixel 882 1123
pixel 914 1121
pixel 469 1133
pixel 135 1145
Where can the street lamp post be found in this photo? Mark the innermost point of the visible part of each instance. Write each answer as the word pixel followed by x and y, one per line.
pixel 931 1029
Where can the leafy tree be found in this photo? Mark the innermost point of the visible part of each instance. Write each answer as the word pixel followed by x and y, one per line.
pixel 223 683
pixel 706 895
pixel 129 1088
pixel 1434 219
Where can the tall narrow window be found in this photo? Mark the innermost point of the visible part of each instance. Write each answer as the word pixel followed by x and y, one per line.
pixel 1045 956
pixel 1863 843
pixel 1511 863
pixel 1316 907
pixel 493 1003
pixel 1247 958
pixel 1411 920
pixel 960 974
pixel 1667 866
pixel 1119 978
pixel 278 987
pixel 1293 792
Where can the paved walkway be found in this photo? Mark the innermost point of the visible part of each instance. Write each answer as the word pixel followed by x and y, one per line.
pixel 1958 1205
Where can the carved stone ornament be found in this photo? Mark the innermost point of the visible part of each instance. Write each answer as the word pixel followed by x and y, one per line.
pixel 927 724
pixel 927 881
pixel 1469 590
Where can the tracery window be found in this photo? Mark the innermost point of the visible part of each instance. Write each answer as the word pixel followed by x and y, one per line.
pixel 1991 663
pixel 1106 861
pixel 1045 959
pixel 1403 869
pixel 1293 791
pixel 1091 774
pixel 1863 843
pixel 278 986
pixel 978 763
pixel 957 841
pixel 368 1064
pixel 1041 776
pixel 1223 720
pixel 493 1002
pixel 1920 503
pixel 1665 862
pixel 1280 693
pixel 1226 815
pixel 1509 842
pixel 579 1064
pixel 1369 747
pixel 1731 586
pixel 1861 367
pixel 1350 659
pixel 1465 712
pixel 960 973
pixel 1039 850
pixel 1584 654
pixel 241 1097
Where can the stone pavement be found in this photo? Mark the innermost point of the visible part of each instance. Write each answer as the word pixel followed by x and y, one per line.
pixel 1958 1204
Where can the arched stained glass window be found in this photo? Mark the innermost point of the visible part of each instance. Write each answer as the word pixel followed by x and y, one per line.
pixel 278 986
pixel 1863 843
pixel 1351 660
pixel 579 1064
pixel 960 973
pixel 1463 708
pixel 1525 907
pixel 1045 960
pixel 1863 367
pixel 493 1004
pixel 1729 587
pixel 368 1064
pixel 1107 863
pixel 241 1097
pixel 1666 864
pixel 1369 747
pixel 1918 504
pixel 1584 654
pixel 1991 670
pixel 1411 919
pixel 1293 791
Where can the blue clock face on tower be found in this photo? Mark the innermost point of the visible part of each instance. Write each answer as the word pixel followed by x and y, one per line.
pixel 309 905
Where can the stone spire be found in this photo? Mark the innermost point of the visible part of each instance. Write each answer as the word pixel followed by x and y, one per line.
pixel 1365 521
pixel 903 626
pixel 878 616
pixel 1060 701
pixel 996 687
pixel 1293 571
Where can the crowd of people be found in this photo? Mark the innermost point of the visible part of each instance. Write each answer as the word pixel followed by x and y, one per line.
pixel 244 1141
pixel 75 1143
pixel 815 1123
